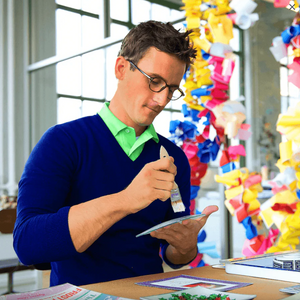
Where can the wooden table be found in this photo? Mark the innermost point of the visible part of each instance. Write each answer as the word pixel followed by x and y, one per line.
pixel 265 289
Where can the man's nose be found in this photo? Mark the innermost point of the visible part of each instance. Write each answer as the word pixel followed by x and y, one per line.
pixel 162 97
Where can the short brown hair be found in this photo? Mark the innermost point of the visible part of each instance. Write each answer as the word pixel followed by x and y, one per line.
pixel 162 36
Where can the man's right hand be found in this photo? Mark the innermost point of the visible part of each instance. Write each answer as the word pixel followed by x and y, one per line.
pixel 89 220
pixel 154 181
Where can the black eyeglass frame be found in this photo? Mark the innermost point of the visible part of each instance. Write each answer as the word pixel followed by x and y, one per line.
pixel 166 85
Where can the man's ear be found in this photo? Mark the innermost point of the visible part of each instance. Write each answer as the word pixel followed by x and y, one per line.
pixel 120 67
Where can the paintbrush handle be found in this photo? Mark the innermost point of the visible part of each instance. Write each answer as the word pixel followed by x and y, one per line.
pixel 176 200
pixel 164 153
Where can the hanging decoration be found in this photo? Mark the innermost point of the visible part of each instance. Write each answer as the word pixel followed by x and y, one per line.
pixel 283 209
pixel 280 214
pixel 286 3
pixel 290 37
pixel 211 118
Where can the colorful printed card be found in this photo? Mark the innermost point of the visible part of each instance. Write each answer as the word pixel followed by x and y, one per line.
pixel 183 282
pixel 196 292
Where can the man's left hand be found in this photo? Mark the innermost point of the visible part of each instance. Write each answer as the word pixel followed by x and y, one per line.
pixel 182 237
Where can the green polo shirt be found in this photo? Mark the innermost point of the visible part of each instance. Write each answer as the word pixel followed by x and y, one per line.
pixel 125 135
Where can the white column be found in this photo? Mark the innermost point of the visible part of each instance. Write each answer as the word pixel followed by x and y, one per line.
pixel 26 100
pixel 248 97
pixel 11 184
pixel 1 98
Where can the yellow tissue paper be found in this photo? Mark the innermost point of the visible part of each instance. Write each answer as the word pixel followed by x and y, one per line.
pixel 233 192
pixel 285 150
pixel 193 22
pixel 221 28
pixel 267 217
pixel 286 196
pixel 249 195
pixel 226 180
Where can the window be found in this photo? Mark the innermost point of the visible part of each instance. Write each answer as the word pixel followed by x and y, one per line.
pixel 87 40
pixel 85 81
pixel 290 94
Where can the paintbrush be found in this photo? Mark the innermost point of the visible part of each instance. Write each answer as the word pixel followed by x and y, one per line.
pixel 176 200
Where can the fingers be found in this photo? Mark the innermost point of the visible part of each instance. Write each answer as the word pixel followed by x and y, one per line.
pixel 181 237
pixel 202 220
pixel 210 209
pixel 207 212
pixel 163 176
pixel 162 173
pixel 169 233
pixel 190 226
pixel 154 181
pixel 165 164
pixel 160 180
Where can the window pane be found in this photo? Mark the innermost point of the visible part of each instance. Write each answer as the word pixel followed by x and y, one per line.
pixel 70 3
pixel 119 10
pixel 140 11
pixel 118 31
pixel 177 104
pixel 177 116
pixel 68 109
pixel 293 101
pixel 160 13
pixel 69 77
pixel 90 108
pixel 284 104
pixel 68 32
pixel 111 56
pixel 162 123
pixel 92 32
pixel 93 6
pixel 93 74
pixel 180 27
pixel 176 15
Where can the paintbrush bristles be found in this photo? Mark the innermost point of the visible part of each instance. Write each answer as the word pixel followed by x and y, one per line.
pixel 176 200
pixel 178 206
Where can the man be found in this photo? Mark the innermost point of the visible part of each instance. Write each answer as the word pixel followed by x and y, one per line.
pixel 91 185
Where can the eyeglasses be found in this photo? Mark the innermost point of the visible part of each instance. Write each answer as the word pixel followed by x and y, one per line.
pixel 157 84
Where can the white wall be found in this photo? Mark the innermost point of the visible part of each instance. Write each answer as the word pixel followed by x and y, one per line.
pixel 24 116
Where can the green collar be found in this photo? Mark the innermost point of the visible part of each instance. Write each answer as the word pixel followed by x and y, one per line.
pixel 125 135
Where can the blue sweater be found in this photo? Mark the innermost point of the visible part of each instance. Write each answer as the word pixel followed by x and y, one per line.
pixel 74 163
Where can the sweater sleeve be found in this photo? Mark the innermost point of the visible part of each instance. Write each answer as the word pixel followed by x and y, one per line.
pixel 41 232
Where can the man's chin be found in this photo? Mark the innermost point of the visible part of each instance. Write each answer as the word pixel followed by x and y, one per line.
pixel 146 123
